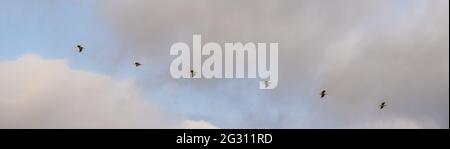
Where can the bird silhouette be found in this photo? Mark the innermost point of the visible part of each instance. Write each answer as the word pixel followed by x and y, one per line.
pixel 137 64
pixel 193 73
pixel 266 83
pixel 382 105
pixel 80 48
pixel 323 93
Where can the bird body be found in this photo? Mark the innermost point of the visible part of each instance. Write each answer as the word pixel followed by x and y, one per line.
pixel 192 73
pixel 80 48
pixel 382 105
pixel 266 83
pixel 323 93
pixel 137 64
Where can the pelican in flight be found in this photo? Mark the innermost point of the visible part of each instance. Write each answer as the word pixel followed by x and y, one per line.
pixel 193 73
pixel 80 48
pixel 382 105
pixel 323 93
pixel 137 64
pixel 266 83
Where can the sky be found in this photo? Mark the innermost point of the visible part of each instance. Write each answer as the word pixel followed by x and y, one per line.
pixel 361 52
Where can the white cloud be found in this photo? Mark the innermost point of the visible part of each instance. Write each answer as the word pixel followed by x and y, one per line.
pixel 189 124
pixel 41 93
pixel 396 123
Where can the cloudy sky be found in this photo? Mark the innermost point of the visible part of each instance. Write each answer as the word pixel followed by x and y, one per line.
pixel 361 52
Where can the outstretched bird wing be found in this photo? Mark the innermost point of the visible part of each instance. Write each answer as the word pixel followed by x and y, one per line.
pixel 80 48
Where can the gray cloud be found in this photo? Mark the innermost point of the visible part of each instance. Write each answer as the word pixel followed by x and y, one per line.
pixel 362 52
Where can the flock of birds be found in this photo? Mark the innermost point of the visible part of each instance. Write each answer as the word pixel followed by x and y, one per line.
pixel 324 93
pixel 81 48
pixel 266 82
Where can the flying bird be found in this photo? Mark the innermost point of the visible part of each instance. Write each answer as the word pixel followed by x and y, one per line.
pixel 382 105
pixel 323 93
pixel 137 64
pixel 193 73
pixel 80 48
pixel 266 83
